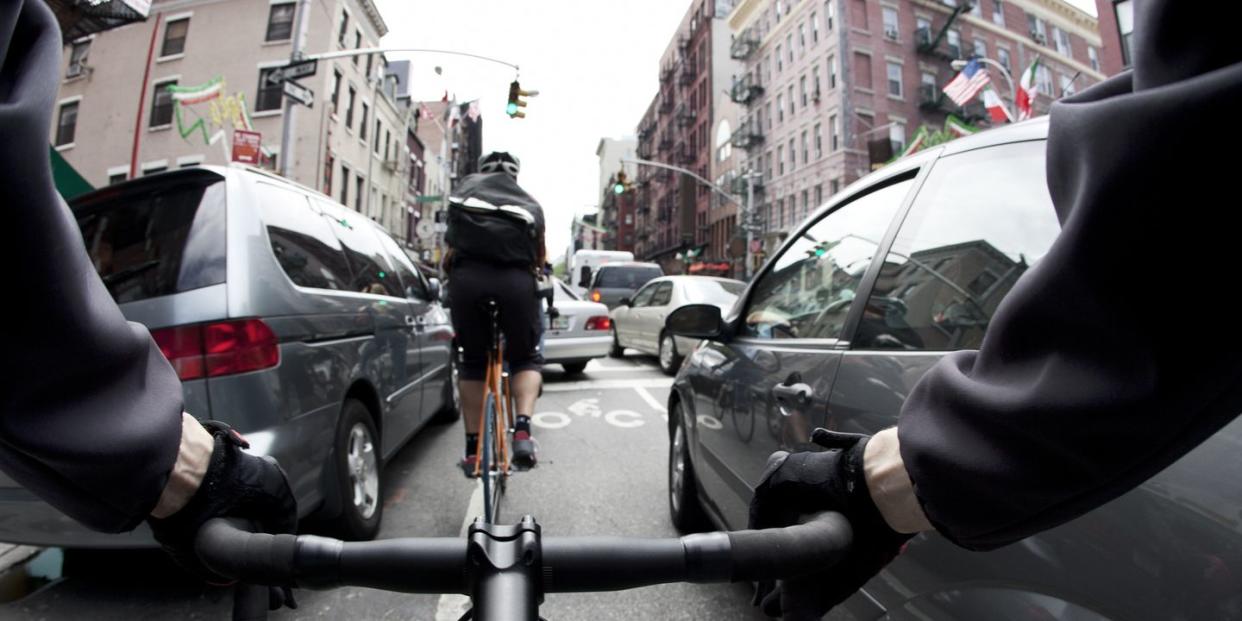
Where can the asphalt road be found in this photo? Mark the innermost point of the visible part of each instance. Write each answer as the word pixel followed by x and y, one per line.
pixel 603 446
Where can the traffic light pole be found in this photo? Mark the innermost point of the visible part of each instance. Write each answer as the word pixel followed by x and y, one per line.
pixel 286 128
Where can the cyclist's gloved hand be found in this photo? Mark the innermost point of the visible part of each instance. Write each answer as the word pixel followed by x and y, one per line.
pixel 236 484
pixel 799 484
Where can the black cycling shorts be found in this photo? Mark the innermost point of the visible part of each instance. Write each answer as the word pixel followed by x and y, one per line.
pixel 521 320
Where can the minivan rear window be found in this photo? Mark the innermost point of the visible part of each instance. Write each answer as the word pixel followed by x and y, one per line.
pixel 150 239
pixel 626 276
pixel 302 240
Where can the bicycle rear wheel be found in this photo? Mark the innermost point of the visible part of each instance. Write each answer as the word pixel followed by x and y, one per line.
pixel 493 478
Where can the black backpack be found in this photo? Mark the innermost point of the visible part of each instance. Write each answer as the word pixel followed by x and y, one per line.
pixel 492 219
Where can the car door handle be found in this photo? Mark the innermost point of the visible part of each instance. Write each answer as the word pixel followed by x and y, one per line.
pixel 794 394
pixel 414 322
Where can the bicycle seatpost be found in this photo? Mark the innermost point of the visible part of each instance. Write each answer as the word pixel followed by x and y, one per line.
pixel 507 566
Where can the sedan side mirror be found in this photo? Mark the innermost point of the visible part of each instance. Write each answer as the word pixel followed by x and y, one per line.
pixel 700 321
pixel 435 289
pixel 627 302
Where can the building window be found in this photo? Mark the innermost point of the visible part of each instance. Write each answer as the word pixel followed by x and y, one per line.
pixel 802 38
pixel 349 109
pixel 1043 80
pixel 379 126
pixel 769 114
pixel 280 21
pixel 792 102
pixel 890 23
pixel 67 124
pixel 819 195
pixel 1036 27
pixel 1094 56
pixel 1062 40
pixel 860 13
pixel 780 160
pixel 780 108
pixel 268 96
pixel 162 105
pixel 344 29
pixel 174 37
pixel 1125 27
pixel 981 48
pixel 153 170
pixel 780 62
pixel 359 188
pixel 1067 85
pixel 357 44
pixel 814 28
pixel 998 12
pixel 836 185
pixel 336 89
pixel 117 178
pixel 834 134
pixel 832 71
pixel 897 136
pixel 793 155
pixel 862 69
pixel 955 44
pixel 362 121
pixel 1002 57
pixel 819 141
pixel 830 13
pixel 806 152
pixel 370 68
pixel 789 47
pixel 802 85
pixel 815 83
pixel 344 184
pixel 77 58
pixel 894 80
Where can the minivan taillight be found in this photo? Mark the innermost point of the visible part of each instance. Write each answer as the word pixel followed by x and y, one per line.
pixel 221 348
pixel 595 296
pixel 598 323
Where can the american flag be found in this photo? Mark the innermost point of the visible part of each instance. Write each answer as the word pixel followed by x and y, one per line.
pixel 967 84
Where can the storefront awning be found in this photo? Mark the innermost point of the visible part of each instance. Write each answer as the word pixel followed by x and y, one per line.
pixel 68 182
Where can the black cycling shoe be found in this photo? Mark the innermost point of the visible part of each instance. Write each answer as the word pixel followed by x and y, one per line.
pixel 469 464
pixel 523 450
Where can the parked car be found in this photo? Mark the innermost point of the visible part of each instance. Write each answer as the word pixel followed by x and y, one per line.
pixel 903 266
pixel 613 281
pixel 639 322
pixel 583 263
pixel 297 321
pixel 580 332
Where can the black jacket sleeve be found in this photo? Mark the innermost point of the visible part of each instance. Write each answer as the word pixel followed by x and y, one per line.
pixel 90 412
pixel 1119 352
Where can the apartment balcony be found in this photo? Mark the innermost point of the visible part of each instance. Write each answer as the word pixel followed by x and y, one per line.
pixel 925 42
pixel 683 44
pixel 744 45
pixel 745 90
pixel 666 73
pixel 644 150
pixel 932 99
pixel 666 104
pixel 748 136
pixel 687 74
pixel 685 155
pixel 738 185
pixel 685 115
pixel 666 144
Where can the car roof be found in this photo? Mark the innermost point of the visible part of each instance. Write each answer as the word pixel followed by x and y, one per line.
pixel 627 264
pixel 1034 129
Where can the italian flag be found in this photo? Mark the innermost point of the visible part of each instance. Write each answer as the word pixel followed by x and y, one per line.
pixel 996 108
pixel 1027 91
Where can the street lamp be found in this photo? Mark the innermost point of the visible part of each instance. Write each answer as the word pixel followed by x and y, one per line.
pixel 958 65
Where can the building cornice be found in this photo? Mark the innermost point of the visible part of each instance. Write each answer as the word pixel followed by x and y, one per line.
pixel 373 14
pixel 745 13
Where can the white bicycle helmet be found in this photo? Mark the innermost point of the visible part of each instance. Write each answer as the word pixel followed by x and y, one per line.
pixel 500 161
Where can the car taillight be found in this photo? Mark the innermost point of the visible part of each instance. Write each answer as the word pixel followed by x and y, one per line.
pixel 599 323
pixel 221 348
pixel 595 296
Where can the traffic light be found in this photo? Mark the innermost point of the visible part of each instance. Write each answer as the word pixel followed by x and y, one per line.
pixel 620 186
pixel 514 109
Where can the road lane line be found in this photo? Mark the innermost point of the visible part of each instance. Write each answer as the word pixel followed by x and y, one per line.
pixel 609 383
pixel 451 606
pixel 651 400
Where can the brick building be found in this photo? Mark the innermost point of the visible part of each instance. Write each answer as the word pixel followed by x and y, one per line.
pixel 825 81
pixel 1116 19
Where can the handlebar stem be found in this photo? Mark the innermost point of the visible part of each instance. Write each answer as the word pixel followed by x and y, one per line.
pixel 506 561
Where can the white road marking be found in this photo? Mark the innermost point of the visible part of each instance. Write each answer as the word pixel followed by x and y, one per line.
pixel 651 400
pixel 632 419
pixel 451 606
pixel 608 384
pixel 551 420
pixel 585 407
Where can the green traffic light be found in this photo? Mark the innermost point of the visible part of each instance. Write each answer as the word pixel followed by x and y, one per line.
pixel 618 189
pixel 512 109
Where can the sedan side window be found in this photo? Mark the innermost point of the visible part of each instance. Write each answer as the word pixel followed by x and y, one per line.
pixel 643 297
pixel 808 291
pixel 663 294
pixel 981 220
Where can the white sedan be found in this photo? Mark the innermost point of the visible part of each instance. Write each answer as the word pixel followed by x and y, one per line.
pixel 639 321
pixel 582 331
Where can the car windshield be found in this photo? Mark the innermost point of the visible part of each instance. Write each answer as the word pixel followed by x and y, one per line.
pixel 711 291
pixel 626 277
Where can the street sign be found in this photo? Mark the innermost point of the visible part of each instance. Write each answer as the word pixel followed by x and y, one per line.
pixel 299 93
pixel 292 71
pixel 246 146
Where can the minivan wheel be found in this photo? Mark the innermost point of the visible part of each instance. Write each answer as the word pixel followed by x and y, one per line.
pixel 451 410
pixel 574 368
pixel 683 497
pixel 358 473
pixel 617 350
pixel 669 360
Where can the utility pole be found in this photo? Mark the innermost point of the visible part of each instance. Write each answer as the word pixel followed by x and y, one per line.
pixel 286 134
pixel 748 222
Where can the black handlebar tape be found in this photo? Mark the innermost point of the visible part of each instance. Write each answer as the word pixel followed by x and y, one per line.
pixel 412 565
pixel 586 564
pixel 777 553
pixel 257 558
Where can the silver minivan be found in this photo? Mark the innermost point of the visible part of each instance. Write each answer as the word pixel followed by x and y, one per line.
pixel 296 320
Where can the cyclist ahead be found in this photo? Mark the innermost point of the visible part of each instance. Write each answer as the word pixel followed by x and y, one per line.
pixel 496 249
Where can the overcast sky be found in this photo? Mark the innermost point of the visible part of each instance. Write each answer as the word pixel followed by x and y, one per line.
pixel 594 62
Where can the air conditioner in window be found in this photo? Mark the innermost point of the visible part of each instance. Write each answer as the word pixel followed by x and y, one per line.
pixel 1039 38
pixel 815 96
pixel 891 33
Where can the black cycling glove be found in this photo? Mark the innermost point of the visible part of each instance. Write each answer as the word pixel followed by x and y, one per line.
pixel 799 484
pixel 236 484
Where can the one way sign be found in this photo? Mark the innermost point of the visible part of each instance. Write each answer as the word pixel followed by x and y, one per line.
pixel 299 93
pixel 292 71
